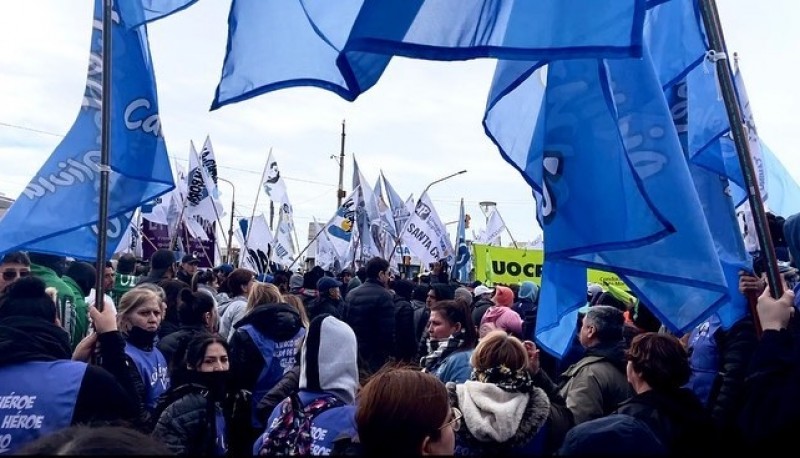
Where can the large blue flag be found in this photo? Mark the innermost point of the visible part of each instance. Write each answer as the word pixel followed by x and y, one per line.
pixel 138 12
pixel 782 188
pixel 58 210
pixel 345 46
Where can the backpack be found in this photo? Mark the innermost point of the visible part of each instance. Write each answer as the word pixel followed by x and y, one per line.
pixel 292 433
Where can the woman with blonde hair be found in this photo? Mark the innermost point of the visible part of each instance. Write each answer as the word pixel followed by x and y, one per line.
pixel 297 302
pixel 504 413
pixel 262 293
pixel 139 314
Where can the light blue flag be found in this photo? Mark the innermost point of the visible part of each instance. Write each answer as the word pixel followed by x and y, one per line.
pixel 345 46
pixel 714 195
pixel 138 12
pixel 461 265
pixel 400 211
pixel 58 210
pixel 782 188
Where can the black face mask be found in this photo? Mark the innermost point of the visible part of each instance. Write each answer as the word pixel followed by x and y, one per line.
pixel 142 338
pixel 216 382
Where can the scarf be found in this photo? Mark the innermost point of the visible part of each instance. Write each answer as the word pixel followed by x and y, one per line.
pixel 24 338
pixel 438 351
pixel 518 381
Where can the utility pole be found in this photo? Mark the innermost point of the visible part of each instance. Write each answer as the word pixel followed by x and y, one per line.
pixel 340 191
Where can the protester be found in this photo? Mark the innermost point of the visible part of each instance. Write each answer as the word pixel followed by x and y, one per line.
pixel 139 316
pixel 197 315
pixel 451 339
pixel 328 383
pixel 38 377
pixel 13 266
pixel 162 267
pixel 329 299
pixel 50 269
pixel 192 416
pixel 187 268
pixel 83 440
pixel 205 281
pixel 404 326
pixel 612 435
pixel 500 315
pixel 435 293
pixel 370 312
pixel 263 347
pixel 483 300
pixel 80 277
pixel 221 273
pixel 404 412
pixel 658 367
pixel 170 321
pixel 125 276
pixel 597 383
pixel 504 413
pixel 239 283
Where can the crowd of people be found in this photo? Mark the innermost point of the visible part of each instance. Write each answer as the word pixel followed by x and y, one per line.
pixel 214 362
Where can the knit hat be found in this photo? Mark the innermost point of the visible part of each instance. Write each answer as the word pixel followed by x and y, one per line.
pixel 296 281
pixel 27 297
pixel 503 296
pixel 463 293
pixel 529 290
pixel 328 358
pixel 326 283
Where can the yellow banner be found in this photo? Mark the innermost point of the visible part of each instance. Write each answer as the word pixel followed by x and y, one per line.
pixel 495 264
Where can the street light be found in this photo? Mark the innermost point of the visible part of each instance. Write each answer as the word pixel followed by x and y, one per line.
pixel 487 206
pixel 397 240
pixel 230 228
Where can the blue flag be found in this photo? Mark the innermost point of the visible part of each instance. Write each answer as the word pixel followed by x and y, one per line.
pixel 345 46
pixel 58 211
pixel 782 188
pixel 461 265
pixel 137 12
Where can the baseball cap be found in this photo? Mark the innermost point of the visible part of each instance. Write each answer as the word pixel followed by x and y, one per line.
pixel 326 283
pixel 191 259
pixel 481 289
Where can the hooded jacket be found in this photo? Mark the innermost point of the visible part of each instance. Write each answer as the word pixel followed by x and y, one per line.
pixel 503 318
pixel 370 312
pixel 35 360
pixel 66 307
pixel 499 422
pixel 328 367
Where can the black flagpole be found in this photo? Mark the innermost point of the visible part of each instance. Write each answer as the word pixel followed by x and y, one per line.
pixel 105 154
pixel 725 77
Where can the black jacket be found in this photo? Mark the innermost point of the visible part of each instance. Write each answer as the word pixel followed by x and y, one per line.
pixel 325 304
pixel 100 397
pixel 370 312
pixel 405 332
pixel 186 424
pixel 173 346
pixel 678 418
pixel 479 309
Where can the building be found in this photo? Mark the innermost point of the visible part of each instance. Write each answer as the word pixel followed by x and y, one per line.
pixel 5 204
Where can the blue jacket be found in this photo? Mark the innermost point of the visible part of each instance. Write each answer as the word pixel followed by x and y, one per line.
pixel 456 367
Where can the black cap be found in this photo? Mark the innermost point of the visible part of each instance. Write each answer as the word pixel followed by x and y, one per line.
pixel 190 259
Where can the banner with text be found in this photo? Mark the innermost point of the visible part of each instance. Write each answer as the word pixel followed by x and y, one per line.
pixel 156 237
pixel 495 264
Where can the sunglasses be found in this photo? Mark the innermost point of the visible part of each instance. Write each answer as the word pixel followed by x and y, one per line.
pixel 455 420
pixel 11 274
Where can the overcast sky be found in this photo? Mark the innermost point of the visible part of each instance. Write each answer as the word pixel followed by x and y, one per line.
pixel 421 122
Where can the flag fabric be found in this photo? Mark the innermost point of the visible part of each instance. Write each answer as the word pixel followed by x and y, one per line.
pixel 782 188
pixel 494 227
pixel 283 246
pixel 138 12
pixel 345 46
pixel 200 200
pixel 325 255
pixel 463 259
pixel 425 234
pixel 400 211
pixel 339 228
pixel 274 185
pixel 70 178
pixel 255 240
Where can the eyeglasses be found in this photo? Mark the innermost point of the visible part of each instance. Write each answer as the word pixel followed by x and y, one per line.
pixel 455 420
pixel 11 274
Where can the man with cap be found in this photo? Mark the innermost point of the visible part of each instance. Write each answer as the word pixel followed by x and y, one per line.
pixel 161 267
pixel 328 300
pixel 188 268
pixel 483 300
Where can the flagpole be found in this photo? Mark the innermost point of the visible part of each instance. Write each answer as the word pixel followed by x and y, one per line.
pixel 216 213
pixel 105 155
pixel 306 247
pixel 507 229
pixel 255 204
pixel 725 77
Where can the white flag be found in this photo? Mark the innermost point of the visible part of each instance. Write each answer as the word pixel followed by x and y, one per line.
pixel 494 227
pixel 325 255
pixel 425 234
pixel 283 247
pixel 339 228
pixel 201 188
pixel 273 183
pixel 254 247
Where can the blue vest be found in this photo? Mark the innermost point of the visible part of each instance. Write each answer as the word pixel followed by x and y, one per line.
pixel 703 358
pixel 221 432
pixel 279 358
pixel 325 427
pixel 153 369
pixel 37 398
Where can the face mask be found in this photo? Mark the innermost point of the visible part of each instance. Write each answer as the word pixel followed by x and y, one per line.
pixel 141 337
pixel 216 382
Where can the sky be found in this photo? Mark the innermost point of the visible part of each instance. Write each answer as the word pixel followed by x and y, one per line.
pixel 421 122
